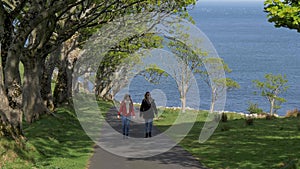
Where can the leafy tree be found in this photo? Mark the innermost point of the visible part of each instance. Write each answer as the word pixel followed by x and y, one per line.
pixel 190 62
pixel 195 62
pixel 115 69
pixel 271 88
pixel 218 85
pixel 31 30
pixel 254 109
pixel 284 13
pixel 153 74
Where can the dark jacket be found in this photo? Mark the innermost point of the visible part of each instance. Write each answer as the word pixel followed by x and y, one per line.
pixel 147 110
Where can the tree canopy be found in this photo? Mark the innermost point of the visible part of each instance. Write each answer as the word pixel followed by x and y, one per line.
pixel 284 13
pixel 271 88
pixel 32 31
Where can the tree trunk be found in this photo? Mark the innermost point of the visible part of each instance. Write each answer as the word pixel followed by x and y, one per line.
pixel 63 87
pixel 6 31
pixel 183 103
pixel 102 91
pixel 46 79
pixel 12 89
pixel 33 105
pixel 272 103
pixel 213 100
pixel 212 106
pixel 103 87
pixel 10 119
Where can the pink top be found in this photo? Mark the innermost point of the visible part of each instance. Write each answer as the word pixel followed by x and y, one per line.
pixel 123 110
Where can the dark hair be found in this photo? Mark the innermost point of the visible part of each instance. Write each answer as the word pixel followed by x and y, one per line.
pixel 128 95
pixel 146 94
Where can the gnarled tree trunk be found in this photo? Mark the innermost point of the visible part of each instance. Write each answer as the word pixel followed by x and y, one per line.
pixel 10 111
pixel 10 119
pixel 12 88
pixel 33 105
pixel 63 87
pixel 62 91
pixel 46 78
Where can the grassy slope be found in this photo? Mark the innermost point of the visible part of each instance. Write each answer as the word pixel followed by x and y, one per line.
pixel 266 144
pixel 52 143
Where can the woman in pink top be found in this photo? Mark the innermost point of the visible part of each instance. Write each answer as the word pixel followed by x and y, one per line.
pixel 126 111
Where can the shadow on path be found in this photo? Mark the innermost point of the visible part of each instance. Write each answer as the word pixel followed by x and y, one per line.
pixel 174 158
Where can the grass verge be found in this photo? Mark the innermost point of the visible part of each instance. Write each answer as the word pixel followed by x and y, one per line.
pixel 52 142
pixel 265 144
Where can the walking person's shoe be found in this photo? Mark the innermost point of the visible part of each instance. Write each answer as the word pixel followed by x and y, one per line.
pixel 146 136
pixel 150 134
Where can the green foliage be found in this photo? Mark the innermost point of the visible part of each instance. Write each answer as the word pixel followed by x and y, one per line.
pixel 271 88
pixel 254 109
pixel 153 74
pixel 227 83
pixel 284 13
pixel 197 60
pixel 221 83
pixel 122 58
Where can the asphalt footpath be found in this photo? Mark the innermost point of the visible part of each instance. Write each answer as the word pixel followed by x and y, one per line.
pixel 113 151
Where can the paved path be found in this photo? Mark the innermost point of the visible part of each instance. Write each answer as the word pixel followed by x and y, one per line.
pixel 174 158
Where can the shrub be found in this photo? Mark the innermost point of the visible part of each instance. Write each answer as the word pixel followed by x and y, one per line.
pixel 270 117
pixel 230 116
pixel 293 113
pixel 254 109
pixel 224 117
pixel 249 121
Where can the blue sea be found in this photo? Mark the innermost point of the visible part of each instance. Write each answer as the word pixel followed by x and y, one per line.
pixel 250 45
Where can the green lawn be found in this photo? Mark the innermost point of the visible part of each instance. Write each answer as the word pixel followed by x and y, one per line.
pixel 53 142
pixel 266 144
pixel 60 142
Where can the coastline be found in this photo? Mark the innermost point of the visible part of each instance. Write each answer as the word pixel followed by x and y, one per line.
pixel 248 115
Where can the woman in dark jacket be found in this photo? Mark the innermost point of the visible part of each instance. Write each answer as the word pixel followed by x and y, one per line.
pixel 147 111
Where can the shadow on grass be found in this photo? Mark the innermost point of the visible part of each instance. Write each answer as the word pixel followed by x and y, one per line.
pixel 58 137
pixel 266 144
pixel 52 142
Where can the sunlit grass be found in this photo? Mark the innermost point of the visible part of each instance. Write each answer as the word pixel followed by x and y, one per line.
pixel 265 144
pixel 53 142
